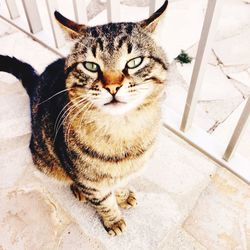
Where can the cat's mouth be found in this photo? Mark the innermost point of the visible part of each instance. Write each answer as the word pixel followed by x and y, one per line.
pixel 116 107
pixel 114 102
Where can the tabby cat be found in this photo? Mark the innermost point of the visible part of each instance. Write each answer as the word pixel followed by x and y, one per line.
pixel 96 113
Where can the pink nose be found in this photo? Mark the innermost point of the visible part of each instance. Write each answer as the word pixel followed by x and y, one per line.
pixel 112 81
pixel 112 88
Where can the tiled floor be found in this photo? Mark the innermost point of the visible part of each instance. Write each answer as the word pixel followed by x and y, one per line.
pixel 185 200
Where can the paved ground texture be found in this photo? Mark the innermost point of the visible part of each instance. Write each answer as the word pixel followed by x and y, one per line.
pixel 185 200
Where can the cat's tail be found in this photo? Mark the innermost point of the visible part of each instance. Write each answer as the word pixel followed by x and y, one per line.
pixel 22 71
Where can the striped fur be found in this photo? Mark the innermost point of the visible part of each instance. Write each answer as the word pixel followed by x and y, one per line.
pixel 95 130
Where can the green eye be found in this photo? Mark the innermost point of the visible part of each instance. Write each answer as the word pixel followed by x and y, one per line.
pixel 93 67
pixel 134 63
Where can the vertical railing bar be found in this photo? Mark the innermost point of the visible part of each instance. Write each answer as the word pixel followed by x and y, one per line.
pixel 32 15
pixel 113 10
pixel 152 5
pixel 238 132
pixel 207 36
pixel 80 10
pixel 32 36
pixel 57 32
pixel 12 8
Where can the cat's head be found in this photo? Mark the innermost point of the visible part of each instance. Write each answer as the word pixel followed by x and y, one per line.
pixel 116 67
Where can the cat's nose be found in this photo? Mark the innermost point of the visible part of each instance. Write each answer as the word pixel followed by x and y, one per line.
pixel 112 88
pixel 112 81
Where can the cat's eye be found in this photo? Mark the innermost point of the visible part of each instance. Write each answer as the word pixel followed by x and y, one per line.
pixel 93 67
pixel 134 63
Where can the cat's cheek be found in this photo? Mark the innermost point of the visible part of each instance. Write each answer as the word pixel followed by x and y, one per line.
pixel 100 99
pixel 143 94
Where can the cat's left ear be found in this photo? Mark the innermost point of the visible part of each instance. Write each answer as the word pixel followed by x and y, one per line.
pixel 73 29
pixel 151 23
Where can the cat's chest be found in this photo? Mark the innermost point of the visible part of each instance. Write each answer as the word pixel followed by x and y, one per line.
pixel 112 162
pixel 117 142
pixel 116 135
pixel 111 156
pixel 105 145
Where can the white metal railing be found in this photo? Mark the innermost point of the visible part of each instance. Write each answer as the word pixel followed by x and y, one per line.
pixel 33 19
pixel 80 9
pixel 57 31
pixel 113 14
pixel 33 16
pixel 13 10
pixel 238 132
pixel 113 8
pixel 205 45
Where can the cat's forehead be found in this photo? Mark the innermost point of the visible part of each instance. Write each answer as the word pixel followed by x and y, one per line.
pixel 113 36
pixel 112 43
pixel 113 30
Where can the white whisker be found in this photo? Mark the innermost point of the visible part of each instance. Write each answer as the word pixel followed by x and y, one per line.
pixel 58 121
pixel 56 94
pixel 70 110
pixel 86 107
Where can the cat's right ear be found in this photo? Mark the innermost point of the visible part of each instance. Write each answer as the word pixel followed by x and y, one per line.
pixel 151 23
pixel 74 30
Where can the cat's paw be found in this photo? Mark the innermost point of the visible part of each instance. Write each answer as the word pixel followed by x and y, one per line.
pixel 126 199
pixel 78 193
pixel 116 228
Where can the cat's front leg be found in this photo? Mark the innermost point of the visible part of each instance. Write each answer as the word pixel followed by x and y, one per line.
pixel 107 208
pixel 125 198
pixel 106 205
pixel 78 193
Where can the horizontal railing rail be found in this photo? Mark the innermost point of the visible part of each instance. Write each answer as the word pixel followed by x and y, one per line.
pixel 113 8
pixel 34 21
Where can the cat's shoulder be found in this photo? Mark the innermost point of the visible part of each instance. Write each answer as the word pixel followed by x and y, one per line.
pixel 55 67
pixel 53 73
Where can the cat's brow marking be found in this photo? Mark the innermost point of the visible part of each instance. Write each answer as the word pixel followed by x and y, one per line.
pixel 94 33
pixel 129 29
pixel 93 49
pixel 158 60
pixel 100 42
pixel 130 47
pixel 122 41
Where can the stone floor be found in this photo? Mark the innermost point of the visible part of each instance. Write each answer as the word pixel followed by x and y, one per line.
pixel 185 200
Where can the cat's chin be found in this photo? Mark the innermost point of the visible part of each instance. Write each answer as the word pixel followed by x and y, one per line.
pixel 116 108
